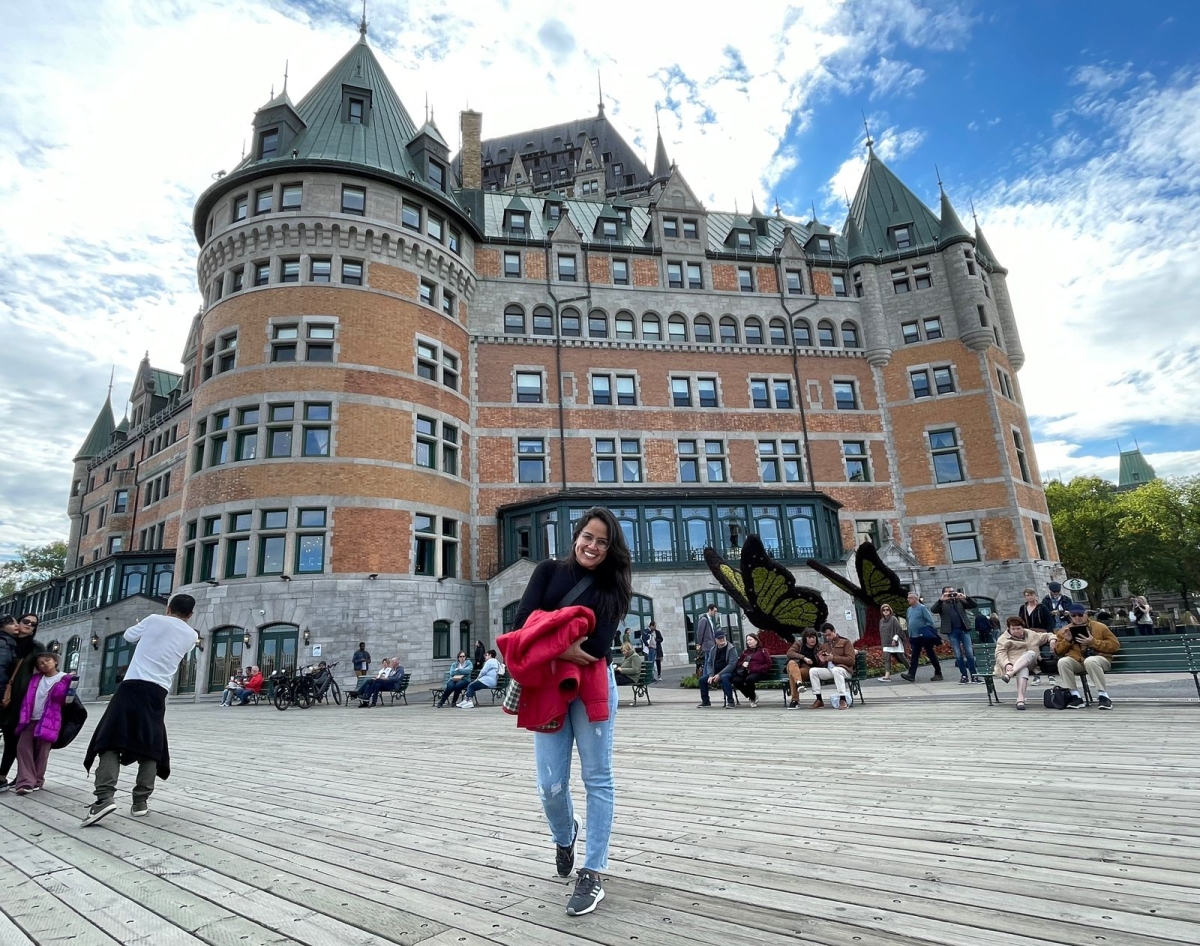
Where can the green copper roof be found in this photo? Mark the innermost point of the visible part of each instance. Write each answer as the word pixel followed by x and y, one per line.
pixel 982 249
pixel 100 436
pixel 1135 469
pixel 952 229
pixel 165 381
pixel 662 165
pixel 882 203
pixel 856 250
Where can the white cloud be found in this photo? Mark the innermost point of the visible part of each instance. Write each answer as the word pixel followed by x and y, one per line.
pixel 892 77
pixel 891 145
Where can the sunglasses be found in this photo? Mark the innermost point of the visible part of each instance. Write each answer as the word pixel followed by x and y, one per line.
pixel 29 623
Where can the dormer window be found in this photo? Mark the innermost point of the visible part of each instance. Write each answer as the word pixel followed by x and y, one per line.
pixel 518 221
pixel 743 240
pixel 553 210
pixel 609 229
pixel 356 105
pixel 825 245
pixel 903 237
pixel 436 175
pixel 268 143
pixel 354 111
pixel 626 216
pixel 760 227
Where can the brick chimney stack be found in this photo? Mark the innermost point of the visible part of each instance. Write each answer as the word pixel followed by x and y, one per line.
pixel 470 125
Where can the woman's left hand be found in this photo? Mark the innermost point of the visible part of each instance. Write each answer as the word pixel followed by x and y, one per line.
pixel 575 654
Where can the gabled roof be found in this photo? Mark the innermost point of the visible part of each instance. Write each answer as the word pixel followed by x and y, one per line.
pixel 883 202
pixel 1135 469
pixel 100 436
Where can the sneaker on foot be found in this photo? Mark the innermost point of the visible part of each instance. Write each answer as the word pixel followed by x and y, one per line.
pixel 703 705
pixel 938 678
pixel 467 704
pixel 1074 702
pixel 564 855
pixel 24 790
pixel 588 893
pixel 975 678
pixel 754 704
pixel 1052 680
pixel 140 809
pixel 794 704
pixel 961 680
pixel 1036 681
pixel 99 810
pixel 905 676
pixel 1103 702
pixel 4 785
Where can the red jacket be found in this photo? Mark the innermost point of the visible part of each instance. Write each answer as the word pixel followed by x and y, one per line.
pixel 255 683
pixel 548 685
pixel 760 660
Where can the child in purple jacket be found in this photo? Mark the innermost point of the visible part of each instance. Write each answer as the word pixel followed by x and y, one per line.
pixel 40 723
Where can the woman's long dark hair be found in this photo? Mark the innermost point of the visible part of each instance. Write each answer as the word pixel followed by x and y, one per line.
pixel 614 576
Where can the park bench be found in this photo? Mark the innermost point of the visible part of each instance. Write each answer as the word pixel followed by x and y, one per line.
pixel 854 682
pixel 350 691
pixel 641 688
pixel 1159 653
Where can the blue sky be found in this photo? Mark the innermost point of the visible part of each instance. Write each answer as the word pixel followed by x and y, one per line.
pixel 1073 127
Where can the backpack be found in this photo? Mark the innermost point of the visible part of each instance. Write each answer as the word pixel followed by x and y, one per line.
pixel 1056 698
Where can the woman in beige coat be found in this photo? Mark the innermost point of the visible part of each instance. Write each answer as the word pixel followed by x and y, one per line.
pixel 1017 653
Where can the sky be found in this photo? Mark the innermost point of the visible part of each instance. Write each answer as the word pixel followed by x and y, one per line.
pixel 1072 128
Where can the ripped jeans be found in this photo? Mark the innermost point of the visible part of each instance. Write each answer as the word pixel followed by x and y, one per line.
pixel 552 754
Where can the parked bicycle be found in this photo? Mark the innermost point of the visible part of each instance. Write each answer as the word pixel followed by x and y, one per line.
pixel 305 686
pixel 326 687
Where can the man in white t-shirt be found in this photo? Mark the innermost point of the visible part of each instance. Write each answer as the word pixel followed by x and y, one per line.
pixel 133 728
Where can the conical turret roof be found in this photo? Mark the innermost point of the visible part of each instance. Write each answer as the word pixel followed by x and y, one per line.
pixel 883 202
pixel 1135 469
pixel 100 436
pixel 982 249
pixel 856 250
pixel 952 229
pixel 662 164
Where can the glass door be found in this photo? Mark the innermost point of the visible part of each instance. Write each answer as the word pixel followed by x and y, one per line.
pixel 277 648
pixel 118 652
pixel 226 657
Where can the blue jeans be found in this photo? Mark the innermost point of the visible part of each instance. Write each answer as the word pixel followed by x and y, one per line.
pixel 726 688
pixel 474 687
pixel 552 755
pixel 964 653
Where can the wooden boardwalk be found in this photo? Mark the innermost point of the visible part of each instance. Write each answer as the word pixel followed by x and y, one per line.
pixel 899 822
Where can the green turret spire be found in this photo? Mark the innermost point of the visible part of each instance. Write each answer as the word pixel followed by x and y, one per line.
pixel 100 436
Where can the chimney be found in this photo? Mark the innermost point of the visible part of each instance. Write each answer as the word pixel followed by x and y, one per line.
pixel 470 126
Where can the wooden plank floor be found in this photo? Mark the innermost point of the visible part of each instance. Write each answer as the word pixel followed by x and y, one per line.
pixel 901 822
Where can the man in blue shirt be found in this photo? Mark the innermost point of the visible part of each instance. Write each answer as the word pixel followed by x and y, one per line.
pixel 923 636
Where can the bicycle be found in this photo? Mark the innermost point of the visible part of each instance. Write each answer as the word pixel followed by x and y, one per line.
pixel 292 689
pixel 326 686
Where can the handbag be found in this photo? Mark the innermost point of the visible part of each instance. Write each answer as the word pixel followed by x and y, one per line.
pixel 73 718
pixel 1056 698
pixel 512 696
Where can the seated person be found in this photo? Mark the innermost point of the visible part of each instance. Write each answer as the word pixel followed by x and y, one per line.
pixel 237 680
pixel 835 662
pixel 629 670
pixel 253 687
pixel 489 676
pixel 1017 654
pixel 720 662
pixel 368 690
pixel 801 658
pixel 457 678
pixel 1085 646
pixel 752 666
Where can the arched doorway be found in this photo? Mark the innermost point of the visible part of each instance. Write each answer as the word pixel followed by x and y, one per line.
pixel 641 613
pixel 117 654
pixel 278 645
pixel 185 678
pixel 226 656
pixel 71 659
pixel 728 613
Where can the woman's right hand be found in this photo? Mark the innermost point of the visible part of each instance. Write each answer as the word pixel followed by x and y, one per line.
pixel 575 654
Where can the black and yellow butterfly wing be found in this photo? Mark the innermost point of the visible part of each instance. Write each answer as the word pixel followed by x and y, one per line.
pixel 880 585
pixel 729 577
pixel 777 603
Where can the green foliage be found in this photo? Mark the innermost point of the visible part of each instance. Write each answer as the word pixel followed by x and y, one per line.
pixel 1089 526
pixel 1164 515
pixel 32 564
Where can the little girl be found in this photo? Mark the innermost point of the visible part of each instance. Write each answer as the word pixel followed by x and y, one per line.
pixel 40 722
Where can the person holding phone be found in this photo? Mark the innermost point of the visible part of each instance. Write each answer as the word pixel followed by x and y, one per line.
pixel 953 606
pixel 1085 646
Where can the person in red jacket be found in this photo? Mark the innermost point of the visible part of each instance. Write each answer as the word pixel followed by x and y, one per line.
pixel 752 666
pixel 595 575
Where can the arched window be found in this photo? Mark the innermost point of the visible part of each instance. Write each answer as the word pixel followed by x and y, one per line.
pixel 728 614
pixel 778 332
pixel 754 335
pixel 651 328
pixel 677 328
pixel 597 324
pixel 850 337
pixel 703 329
pixel 625 325
pixel 637 620
pixel 441 640
pixel 803 333
pixel 729 330
pixel 514 320
pixel 71 658
pixel 826 335
pixel 543 320
pixel 571 323
pixel 225 656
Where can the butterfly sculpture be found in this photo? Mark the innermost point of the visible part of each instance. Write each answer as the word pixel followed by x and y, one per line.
pixel 877 585
pixel 767 592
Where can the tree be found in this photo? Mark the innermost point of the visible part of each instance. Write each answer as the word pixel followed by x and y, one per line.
pixel 1089 518
pixel 32 564
pixel 1166 513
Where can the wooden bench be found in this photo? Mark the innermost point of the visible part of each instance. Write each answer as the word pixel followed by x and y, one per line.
pixel 398 693
pixel 641 688
pixel 853 682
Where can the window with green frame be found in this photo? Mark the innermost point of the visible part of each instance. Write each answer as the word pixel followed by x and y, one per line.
pixel 509 615
pixel 441 640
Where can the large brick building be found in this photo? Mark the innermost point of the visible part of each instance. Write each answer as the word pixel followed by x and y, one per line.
pixel 410 374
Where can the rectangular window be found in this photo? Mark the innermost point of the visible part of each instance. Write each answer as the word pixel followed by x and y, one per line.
pixel 241 205
pixel 566 267
pixel 706 392
pixel 320 270
pixel 310 554
pixel 237 555
pixel 845 396
pixel 943 380
pixel 426 544
pixel 410 217
pixel 681 392
pixel 455 240
pixel 316 433
pixel 263 199
pixel 262 274
pixel 795 282
pixel 743 240
pixel 289 270
pixel 900 281
pixel 783 393
pixel 448 303
pixel 436 176
pixel 858 469
pixel 690 229
pixel 608 229
pixel 512 265
pixel 963 540
pixel 352 273
pixel 620 269
pixel 839 284
pixel 920 383
pixel 279 441
pixel 768 462
pixel 670 227
pixel 529 387
pixel 354 200
pixel 120 502
pixel 291 196
pixel 903 237
pixel 947 457
pixel 531 460
pixel 626 390
pixel 760 396
pixel 1005 383
pixel 449 548
pixel 247 445
pixel 675 275
pixel 606 460
pixel 271 550
pixel 1039 538
pixel 933 328
pixel 239 276
pixel 434 228
pixel 695 276
pixel 689 461
pixel 114 544
pixel 745 279
pixel 274 519
pixel 714 460
pixel 450 449
pixel 601 389
pixel 923 278
pixel 1022 460
pixel 631 461
pixel 428 292
pixel 426 442
pixel 910 332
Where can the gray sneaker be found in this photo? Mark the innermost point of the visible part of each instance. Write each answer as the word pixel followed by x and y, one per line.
pixel 588 893
pixel 564 855
pixel 140 808
pixel 99 810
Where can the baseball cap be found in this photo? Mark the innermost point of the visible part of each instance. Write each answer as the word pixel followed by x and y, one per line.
pixel 719 632
pixel 1054 586
pixel 1077 609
